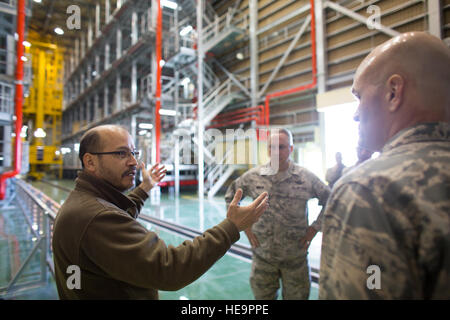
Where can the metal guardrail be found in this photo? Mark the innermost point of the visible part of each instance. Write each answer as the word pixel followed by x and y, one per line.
pixel 39 213
pixel 237 250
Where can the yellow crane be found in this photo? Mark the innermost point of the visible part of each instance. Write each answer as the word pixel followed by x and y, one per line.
pixel 42 108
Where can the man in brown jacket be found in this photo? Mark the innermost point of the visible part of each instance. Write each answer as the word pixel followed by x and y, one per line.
pixel 100 250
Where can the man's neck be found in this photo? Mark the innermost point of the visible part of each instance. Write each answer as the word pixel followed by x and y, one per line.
pixel 284 166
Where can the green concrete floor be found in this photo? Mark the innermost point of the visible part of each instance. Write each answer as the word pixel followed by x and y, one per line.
pixel 226 280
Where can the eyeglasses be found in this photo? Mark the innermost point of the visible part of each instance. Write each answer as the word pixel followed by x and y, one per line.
pixel 122 154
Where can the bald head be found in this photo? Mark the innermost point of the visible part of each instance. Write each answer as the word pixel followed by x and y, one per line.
pixel 424 62
pixel 408 80
pixel 94 139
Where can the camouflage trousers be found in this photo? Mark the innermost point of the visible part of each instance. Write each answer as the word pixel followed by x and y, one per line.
pixel 294 275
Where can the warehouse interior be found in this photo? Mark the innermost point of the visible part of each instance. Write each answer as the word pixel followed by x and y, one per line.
pixel 195 82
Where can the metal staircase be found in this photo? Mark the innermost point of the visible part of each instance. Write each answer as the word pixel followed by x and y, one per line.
pixel 218 98
pixel 219 33
pixel 217 173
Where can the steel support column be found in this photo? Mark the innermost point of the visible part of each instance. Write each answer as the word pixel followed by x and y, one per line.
pixel 83 45
pixel 134 82
pixel 118 106
pixel 434 18
pixel 107 49
pixel 176 168
pixel 97 20
pixel 201 125
pixel 18 99
pixel 254 66
pixel 254 63
pixel 105 101
pixel 134 28
pixel 158 54
pixel 118 43
pixel 77 52
pixel 321 60
pixel 107 11
pixel 89 34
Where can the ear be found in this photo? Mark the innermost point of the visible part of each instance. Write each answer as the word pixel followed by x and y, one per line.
pixel 90 162
pixel 395 85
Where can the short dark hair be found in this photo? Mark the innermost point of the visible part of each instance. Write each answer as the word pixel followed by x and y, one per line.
pixel 285 132
pixel 89 142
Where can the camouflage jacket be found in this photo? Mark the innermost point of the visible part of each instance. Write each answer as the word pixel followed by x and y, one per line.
pixel 285 222
pixel 392 212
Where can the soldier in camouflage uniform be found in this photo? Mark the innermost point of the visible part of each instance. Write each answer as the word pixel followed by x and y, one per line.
pixel 334 173
pixel 393 212
pixel 281 237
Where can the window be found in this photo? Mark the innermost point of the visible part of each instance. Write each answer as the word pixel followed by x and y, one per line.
pixel 2 136
pixel 6 99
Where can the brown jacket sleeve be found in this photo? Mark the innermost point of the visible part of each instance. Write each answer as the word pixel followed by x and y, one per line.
pixel 138 195
pixel 125 250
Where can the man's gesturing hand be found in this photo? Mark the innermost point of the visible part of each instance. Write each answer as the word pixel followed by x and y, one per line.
pixel 152 176
pixel 245 217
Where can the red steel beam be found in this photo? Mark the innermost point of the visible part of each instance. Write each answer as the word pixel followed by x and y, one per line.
pixel 234 112
pixel 158 80
pixel 238 116
pixel 18 99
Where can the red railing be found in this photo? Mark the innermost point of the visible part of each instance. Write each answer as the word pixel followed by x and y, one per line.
pixel 239 116
pixel 262 117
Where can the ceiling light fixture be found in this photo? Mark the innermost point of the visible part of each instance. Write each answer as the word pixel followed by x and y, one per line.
pixel 167 112
pixel 39 133
pixel 185 31
pixel 144 125
pixel 169 4
pixel 59 31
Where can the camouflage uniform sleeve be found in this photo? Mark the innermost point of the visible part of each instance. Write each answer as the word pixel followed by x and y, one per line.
pixel 321 192
pixel 357 234
pixel 236 184
pixel 230 193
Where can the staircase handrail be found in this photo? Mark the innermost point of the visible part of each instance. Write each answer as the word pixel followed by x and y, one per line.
pixel 218 25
